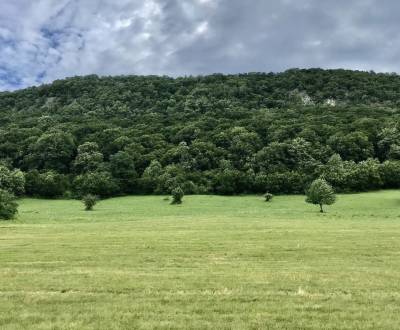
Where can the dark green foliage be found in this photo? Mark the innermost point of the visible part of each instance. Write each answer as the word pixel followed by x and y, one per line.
pixel 53 150
pixel 225 134
pixel 8 205
pixel 177 195
pixel 150 181
pixel 88 158
pixel 122 167
pixel 47 184
pixel 268 197
pixel 97 183
pixel 320 193
pixel 89 201
pixel 389 173
pixel 353 146
pixel 12 180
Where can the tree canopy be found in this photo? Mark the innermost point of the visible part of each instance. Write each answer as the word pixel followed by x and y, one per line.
pixel 320 193
pixel 225 134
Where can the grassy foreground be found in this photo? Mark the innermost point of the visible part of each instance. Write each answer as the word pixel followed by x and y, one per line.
pixel 211 263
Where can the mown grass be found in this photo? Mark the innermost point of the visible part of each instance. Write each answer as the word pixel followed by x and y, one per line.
pixel 210 263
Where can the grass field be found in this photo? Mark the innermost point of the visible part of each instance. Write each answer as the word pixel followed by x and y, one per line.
pixel 211 263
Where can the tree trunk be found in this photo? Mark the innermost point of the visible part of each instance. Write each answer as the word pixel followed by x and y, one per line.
pixel 321 209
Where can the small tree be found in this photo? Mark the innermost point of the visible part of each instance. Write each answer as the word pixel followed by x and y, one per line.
pixel 177 195
pixel 320 193
pixel 90 201
pixel 8 206
pixel 268 197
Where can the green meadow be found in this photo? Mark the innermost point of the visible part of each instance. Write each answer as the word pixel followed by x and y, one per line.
pixel 211 263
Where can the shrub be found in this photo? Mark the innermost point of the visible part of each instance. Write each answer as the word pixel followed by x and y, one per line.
pixel 268 197
pixel 8 206
pixel 90 201
pixel 320 193
pixel 177 195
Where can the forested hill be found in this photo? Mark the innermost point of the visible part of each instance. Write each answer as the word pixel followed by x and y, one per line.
pixel 227 134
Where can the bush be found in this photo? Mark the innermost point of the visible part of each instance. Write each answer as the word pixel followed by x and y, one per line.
pixel 268 197
pixel 8 206
pixel 177 195
pixel 320 193
pixel 90 201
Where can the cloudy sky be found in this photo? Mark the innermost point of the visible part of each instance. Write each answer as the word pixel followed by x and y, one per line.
pixel 43 40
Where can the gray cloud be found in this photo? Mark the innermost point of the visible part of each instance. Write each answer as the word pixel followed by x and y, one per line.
pixel 45 40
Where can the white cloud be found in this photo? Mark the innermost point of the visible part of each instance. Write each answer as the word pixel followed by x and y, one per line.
pixel 202 28
pixel 53 39
pixel 43 40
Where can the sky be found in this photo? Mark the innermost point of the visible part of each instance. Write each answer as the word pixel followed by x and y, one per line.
pixel 44 40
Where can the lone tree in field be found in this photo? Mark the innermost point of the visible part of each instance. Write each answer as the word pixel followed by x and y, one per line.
pixel 8 206
pixel 177 195
pixel 268 197
pixel 320 193
pixel 90 201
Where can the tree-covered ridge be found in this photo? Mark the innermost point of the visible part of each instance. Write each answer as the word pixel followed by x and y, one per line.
pixel 212 134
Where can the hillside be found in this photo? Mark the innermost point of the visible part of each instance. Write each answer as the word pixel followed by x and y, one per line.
pixel 223 134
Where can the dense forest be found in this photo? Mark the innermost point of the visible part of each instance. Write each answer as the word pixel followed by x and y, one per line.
pixel 223 134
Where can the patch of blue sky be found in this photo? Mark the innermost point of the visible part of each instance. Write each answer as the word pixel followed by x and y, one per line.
pixel 9 77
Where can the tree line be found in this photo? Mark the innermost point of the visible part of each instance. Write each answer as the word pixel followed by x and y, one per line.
pixel 220 134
